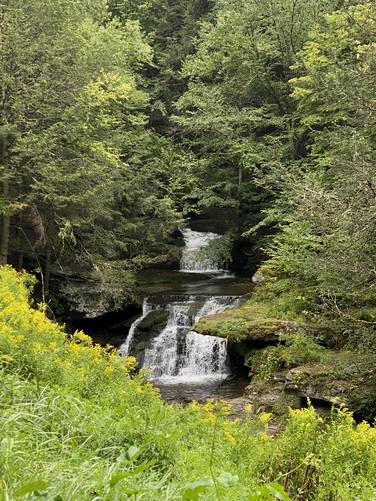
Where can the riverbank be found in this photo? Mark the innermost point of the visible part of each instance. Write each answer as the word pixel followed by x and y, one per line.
pixel 94 428
pixel 293 358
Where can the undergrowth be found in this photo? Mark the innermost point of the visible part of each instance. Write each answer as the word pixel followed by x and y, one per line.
pixel 76 423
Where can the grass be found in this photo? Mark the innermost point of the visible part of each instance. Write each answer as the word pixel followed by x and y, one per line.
pixel 77 424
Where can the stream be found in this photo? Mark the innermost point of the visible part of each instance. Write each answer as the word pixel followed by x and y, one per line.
pixel 186 365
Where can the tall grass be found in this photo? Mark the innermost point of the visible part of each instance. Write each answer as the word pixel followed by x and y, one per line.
pixel 76 423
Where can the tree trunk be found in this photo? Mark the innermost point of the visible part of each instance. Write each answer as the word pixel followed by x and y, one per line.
pixel 4 242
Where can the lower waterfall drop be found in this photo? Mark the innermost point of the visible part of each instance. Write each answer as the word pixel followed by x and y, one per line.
pixel 179 352
pixel 125 348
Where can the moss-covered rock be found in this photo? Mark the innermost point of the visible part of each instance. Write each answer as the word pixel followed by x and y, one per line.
pixel 154 320
pixel 342 375
pixel 257 323
pixel 238 326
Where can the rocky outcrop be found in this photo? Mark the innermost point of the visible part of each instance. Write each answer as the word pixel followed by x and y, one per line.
pixel 239 328
pixel 318 382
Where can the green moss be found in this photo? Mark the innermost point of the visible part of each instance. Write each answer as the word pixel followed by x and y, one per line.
pixel 252 323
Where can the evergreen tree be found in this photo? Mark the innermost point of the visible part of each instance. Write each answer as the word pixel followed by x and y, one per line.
pixel 327 207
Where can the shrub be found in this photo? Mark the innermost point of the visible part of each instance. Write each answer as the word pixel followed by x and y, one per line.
pixel 298 349
pixel 301 349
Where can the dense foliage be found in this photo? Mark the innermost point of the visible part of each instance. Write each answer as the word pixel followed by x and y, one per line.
pixel 119 119
pixel 280 110
pixel 88 189
pixel 92 429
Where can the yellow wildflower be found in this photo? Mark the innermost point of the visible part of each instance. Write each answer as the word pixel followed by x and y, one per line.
pixel 248 408
pixel 39 347
pixel 230 437
pixel 81 336
pixel 52 345
pixel 265 417
pixel 18 339
pixel 264 436
pixel 194 405
pixel 108 369
pixel 211 418
pixel 74 348
pixel 130 362
pixel 208 406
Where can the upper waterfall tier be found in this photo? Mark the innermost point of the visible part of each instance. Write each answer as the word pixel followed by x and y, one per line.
pixel 193 259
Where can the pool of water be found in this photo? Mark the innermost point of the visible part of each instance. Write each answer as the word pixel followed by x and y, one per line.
pixel 200 389
pixel 155 282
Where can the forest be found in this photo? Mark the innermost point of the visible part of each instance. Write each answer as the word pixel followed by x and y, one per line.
pixel 197 177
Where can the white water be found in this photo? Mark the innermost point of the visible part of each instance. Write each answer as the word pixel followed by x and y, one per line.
pixel 124 349
pixel 191 260
pixel 178 354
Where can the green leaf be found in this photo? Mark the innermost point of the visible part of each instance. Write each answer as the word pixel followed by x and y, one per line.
pixel 278 492
pixel 30 487
pixel 132 492
pixel 142 467
pixel 133 452
pixel 268 492
pixel 115 479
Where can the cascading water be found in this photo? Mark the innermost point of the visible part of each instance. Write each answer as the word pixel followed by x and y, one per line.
pixel 177 353
pixel 147 307
pixel 192 260
pixel 180 352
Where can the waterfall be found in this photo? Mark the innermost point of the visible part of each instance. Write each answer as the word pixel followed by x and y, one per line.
pixel 192 261
pixel 176 351
pixel 180 352
pixel 147 307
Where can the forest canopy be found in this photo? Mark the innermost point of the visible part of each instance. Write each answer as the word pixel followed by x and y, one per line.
pixel 119 121
pixel 125 123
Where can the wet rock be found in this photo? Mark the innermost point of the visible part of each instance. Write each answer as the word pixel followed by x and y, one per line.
pixel 154 320
pixel 258 277
pixel 318 382
pixel 266 396
pixel 150 327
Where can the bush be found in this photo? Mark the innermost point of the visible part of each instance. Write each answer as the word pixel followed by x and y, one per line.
pixel 266 361
pixel 301 349
pixel 298 349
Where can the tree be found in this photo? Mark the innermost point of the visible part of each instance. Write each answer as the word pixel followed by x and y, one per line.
pixel 327 208
pixel 237 113
pixel 72 106
pixel 171 26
